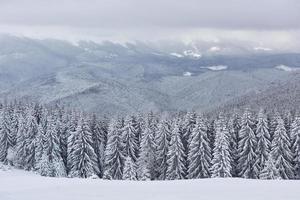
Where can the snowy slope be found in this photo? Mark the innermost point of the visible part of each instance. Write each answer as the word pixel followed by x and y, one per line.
pixel 282 95
pixel 20 185
pixel 110 78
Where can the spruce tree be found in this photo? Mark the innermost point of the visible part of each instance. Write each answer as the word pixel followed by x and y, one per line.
pixel 129 138
pixel 31 132
pixel 234 128
pixel 176 167
pixel 83 156
pixel 281 151
pixel 20 143
pixel 98 143
pixel 264 140
pixel 72 125
pixel 295 133
pixel 199 156
pixel 114 157
pixel 129 172
pixel 188 125
pixel 147 156
pixel 51 163
pixel 7 138
pixel 221 162
pixel 248 168
pixel 269 170
pixel 162 141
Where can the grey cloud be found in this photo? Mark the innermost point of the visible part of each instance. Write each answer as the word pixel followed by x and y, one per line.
pixel 144 14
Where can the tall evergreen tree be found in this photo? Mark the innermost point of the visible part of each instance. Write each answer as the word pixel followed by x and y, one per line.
pixel 199 156
pixel 147 152
pixel 281 151
pixel 263 143
pixel 98 143
pixel 234 128
pixel 129 138
pixel 20 143
pixel 83 156
pixel 295 133
pixel 221 162
pixel 129 172
pixel 31 132
pixel 176 167
pixel 269 170
pixel 72 125
pixel 51 163
pixel 162 141
pixel 188 125
pixel 114 158
pixel 7 136
pixel 247 165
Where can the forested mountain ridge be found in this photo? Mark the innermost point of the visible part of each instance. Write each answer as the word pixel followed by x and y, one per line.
pixel 283 95
pixel 114 78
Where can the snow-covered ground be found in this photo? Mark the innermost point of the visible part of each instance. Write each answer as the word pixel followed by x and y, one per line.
pixel 20 185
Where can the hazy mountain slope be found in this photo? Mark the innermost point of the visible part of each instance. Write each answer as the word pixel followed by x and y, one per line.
pixel 283 95
pixel 110 77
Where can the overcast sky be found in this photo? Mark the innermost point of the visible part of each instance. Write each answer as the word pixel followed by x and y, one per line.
pixel 269 22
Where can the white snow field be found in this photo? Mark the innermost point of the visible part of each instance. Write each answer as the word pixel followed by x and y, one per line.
pixel 21 185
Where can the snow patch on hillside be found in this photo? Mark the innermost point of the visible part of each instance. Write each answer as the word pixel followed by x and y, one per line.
pixel 187 74
pixel 176 55
pixel 191 53
pixel 287 68
pixel 216 67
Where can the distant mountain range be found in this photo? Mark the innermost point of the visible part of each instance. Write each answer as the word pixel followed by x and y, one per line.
pixel 115 78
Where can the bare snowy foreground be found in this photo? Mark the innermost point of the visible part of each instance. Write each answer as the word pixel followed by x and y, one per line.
pixel 21 185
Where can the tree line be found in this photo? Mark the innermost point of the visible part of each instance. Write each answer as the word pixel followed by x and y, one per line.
pixel 59 142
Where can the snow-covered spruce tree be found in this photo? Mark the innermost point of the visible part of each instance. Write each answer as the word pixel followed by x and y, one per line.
pixel 141 125
pixel 147 152
pixel 295 133
pixel 40 145
pixel 114 158
pixel 162 141
pixel 176 168
pixel 221 162
pixel 7 135
pixel 129 138
pixel 129 171
pixel 20 143
pixel 41 136
pixel 234 128
pixel 269 170
pixel 98 143
pixel 63 133
pixel 83 156
pixel 281 151
pixel 51 163
pixel 31 131
pixel 72 125
pixel 248 168
pixel 211 132
pixel 264 140
pixel 273 121
pixel 188 125
pixel 288 119
pixel 199 156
